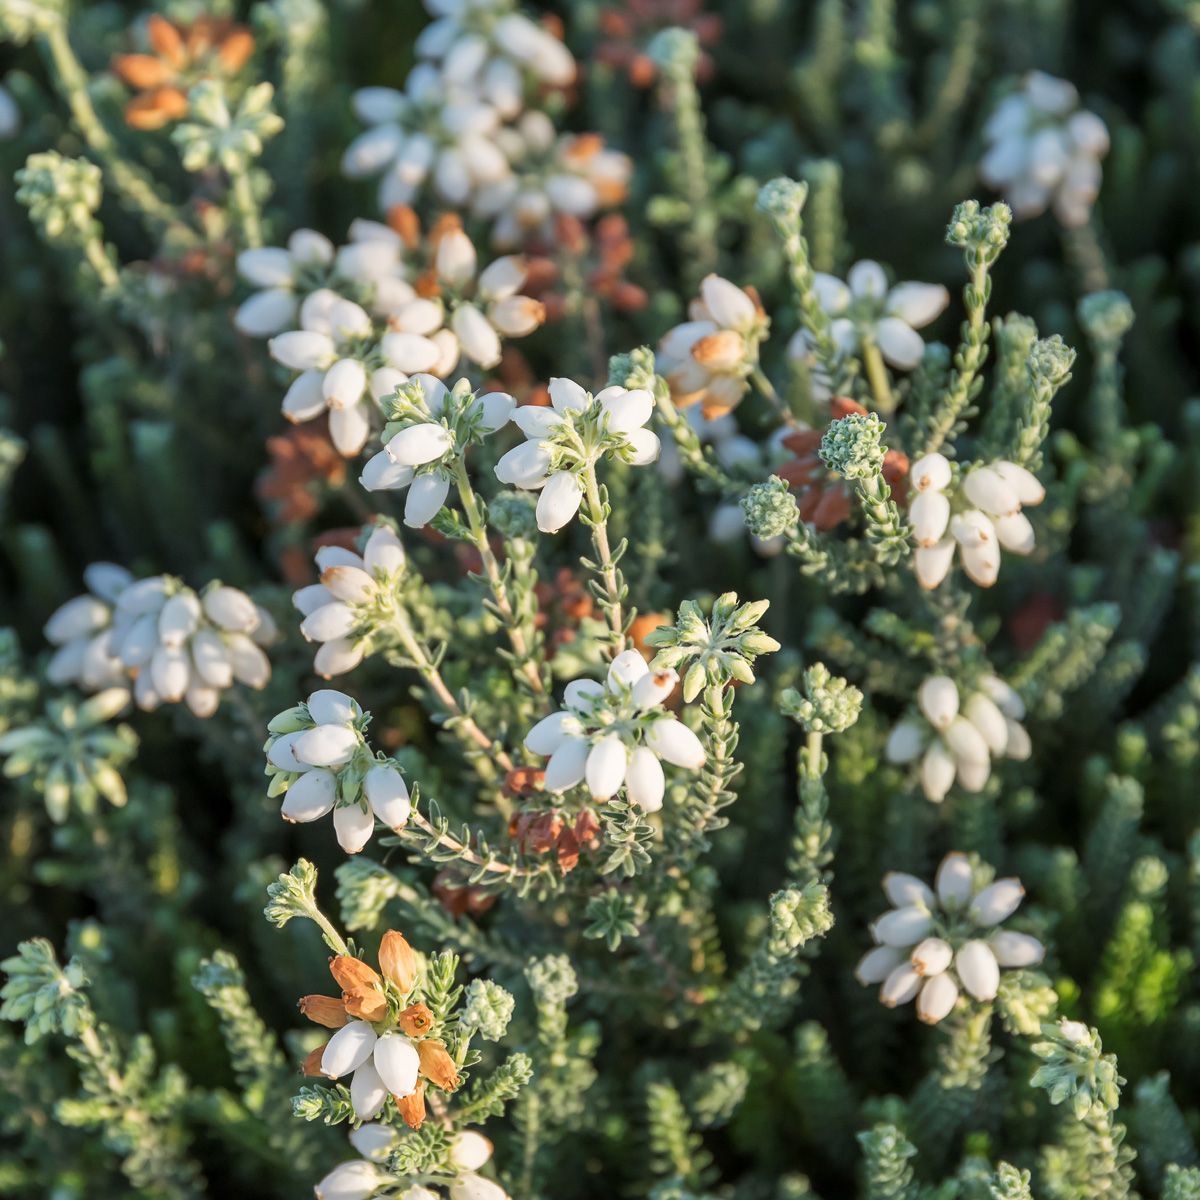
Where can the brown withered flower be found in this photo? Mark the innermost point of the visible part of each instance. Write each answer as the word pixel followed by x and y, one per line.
pixel 459 898
pixel 563 605
pixel 179 56
pixel 628 28
pixel 550 831
pixel 304 464
pixel 823 497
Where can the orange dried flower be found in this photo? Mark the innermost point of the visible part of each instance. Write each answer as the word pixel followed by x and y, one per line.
pixel 312 1061
pixel 415 1020
pixel 180 56
pixel 628 28
pixel 397 960
pixel 362 988
pixel 436 1064
pixel 412 1106
pixel 324 1010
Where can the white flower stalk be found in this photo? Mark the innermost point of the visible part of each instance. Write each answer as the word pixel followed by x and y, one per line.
pixel 1044 151
pixel 166 641
pixel 354 602
pixel 709 358
pixel 957 741
pixel 866 314
pixel 432 134
pixel 942 946
pixel 494 48
pixel 429 430
pixel 472 311
pixel 616 734
pixel 566 439
pixel 318 759
pixel 977 515
pixel 368 270
pixel 567 175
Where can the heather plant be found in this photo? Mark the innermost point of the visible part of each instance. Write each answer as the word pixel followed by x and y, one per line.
pixel 599 599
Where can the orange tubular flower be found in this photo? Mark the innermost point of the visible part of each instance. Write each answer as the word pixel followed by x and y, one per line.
pixel 324 1010
pixel 180 55
pixel 362 988
pixel 397 961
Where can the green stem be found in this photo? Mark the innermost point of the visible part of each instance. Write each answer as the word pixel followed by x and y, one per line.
pixel 528 667
pixel 613 585
pixel 126 178
pixel 877 376
pixel 767 390
pixel 429 672
pixel 246 207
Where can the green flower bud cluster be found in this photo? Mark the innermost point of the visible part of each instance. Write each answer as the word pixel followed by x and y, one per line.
pixel 853 446
pixel 770 508
pixel 229 139
pixel 487 1009
pixel 829 704
pixel 1076 1070
pixel 712 651
pixel 71 755
pixel 62 195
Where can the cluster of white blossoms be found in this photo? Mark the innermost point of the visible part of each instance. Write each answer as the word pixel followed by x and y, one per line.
pixel 470 310
pixel 565 440
pixel 932 946
pixel 369 269
pixel 865 312
pixel 355 597
pixel 1044 151
pixel 170 642
pixel 978 515
pixel 709 357
pixel 959 741
pixel 452 127
pixel 319 760
pixel 554 175
pixel 352 355
pixel 429 429
pixel 360 1179
pixel 616 734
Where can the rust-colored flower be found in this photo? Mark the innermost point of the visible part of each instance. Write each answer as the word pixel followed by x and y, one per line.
pixel 362 987
pixel 304 465
pixel 563 605
pixel 628 28
pixel 644 624
pixel 459 898
pixel 412 1107
pixel 524 781
pixel 436 1064
pixel 324 1010
pixel 415 1020
pixel 397 961
pixel 312 1062
pixel 179 56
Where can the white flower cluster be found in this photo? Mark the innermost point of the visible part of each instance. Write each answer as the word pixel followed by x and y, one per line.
pixel 1044 151
pixel 350 355
pixel 565 439
pixel 361 1178
pixel 472 309
pixel 368 269
pixel 709 357
pixel 355 596
pixel 932 946
pixel 319 760
pixel 431 426
pixel 959 742
pixel 978 516
pixel 453 126
pixel 865 311
pixel 379 1065
pixel 167 640
pixel 616 734
pixel 554 175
